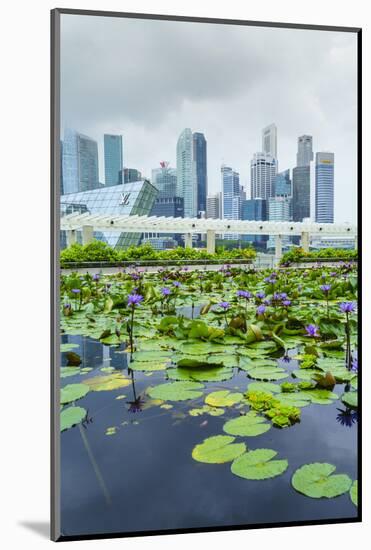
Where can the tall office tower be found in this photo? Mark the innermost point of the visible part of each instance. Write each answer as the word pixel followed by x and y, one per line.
pixel 80 162
pixel 269 140
pixel 200 159
pixel 282 184
pixel 129 175
pixel 263 172
pixel 301 193
pixel 325 187
pixel 213 206
pixel 113 158
pixel 186 173
pixel 164 179
pixel 231 193
pixel 279 210
pixel 304 155
pixel 255 210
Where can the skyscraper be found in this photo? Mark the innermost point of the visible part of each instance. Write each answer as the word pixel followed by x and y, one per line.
pixel 231 193
pixel 165 180
pixel 79 162
pixel 200 159
pixel 186 173
pixel 113 158
pixel 325 187
pixel 129 175
pixel 279 210
pixel 282 184
pixel 305 151
pixel 213 206
pixel 255 209
pixel 263 172
pixel 269 140
pixel 301 179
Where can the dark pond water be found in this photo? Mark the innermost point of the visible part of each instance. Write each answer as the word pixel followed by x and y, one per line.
pixel 144 478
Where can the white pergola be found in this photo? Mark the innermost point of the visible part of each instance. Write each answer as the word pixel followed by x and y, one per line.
pixel 89 223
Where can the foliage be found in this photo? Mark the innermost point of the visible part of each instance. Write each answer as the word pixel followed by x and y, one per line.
pixel 316 481
pixel 71 416
pixel 249 424
pixel 218 449
pixel 297 254
pixel 354 493
pixel 176 391
pixel 258 465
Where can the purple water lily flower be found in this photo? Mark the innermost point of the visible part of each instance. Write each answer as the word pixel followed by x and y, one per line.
pixel 312 331
pixel 165 291
pixel 354 364
pixel 286 303
pixel 325 288
pixel 96 277
pixel 260 295
pixel 260 310
pixel 134 299
pixel 224 305
pixel 177 284
pixel 347 307
pixel 76 290
pixel 244 294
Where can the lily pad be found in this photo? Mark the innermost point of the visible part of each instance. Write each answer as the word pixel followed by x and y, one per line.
pixel 68 346
pixel 151 356
pixel 212 411
pixel 351 399
pixel 249 424
pixel 69 371
pixel 145 366
pixel 299 399
pixel 258 465
pixel 264 387
pixel 354 493
pixel 203 374
pixel 316 481
pixel 306 374
pixel 73 392
pixel 223 398
pixel 218 449
pixel 176 391
pixel 268 373
pixel 71 416
pixel 107 383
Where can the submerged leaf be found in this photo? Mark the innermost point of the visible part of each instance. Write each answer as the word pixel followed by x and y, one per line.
pixel 258 465
pixel 218 449
pixel 316 481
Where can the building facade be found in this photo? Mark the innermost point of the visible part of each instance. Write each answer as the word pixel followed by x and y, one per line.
pixel 263 172
pixel 269 140
pixel 113 158
pixel 301 193
pixel 282 184
pixel 304 156
pixel 79 162
pixel 186 173
pixel 129 175
pixel 128 199
pixel 200 159
pixel 213 206
pixel 165 180
pixel 324 198
pixel 279 210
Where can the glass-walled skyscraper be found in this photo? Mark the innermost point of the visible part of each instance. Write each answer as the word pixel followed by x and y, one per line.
pixel 165 180
pixel 301 179
pixel 305 151
pixel 113 158
pixel 282 184
pixel 269 140
pixel 200 159
pixel 263 172
pixel 325 187
pixel 79 162
pixel 186 173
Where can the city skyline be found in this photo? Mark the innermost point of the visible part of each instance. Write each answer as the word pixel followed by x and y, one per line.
pixel 311 95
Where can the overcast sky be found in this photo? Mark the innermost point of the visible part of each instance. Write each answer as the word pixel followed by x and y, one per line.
pixel 148 80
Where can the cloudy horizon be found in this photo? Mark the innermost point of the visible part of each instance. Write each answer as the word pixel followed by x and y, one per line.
pixel 149 79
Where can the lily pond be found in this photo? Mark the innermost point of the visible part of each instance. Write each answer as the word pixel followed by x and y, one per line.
pixel 204 399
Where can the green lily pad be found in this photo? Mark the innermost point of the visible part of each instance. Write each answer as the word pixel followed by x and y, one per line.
pixel 107 383
pixel 212 411
pixel 203 374
pixel 320 396
pixel 306 374
pixel 71 416
pixel 267 373
pixel 223 398
pixel 73 392
pixel 199 348
pixel 351 399
pixel 316 481
pixel 68 346
pixel 266 387
pixel 176 391
pixel 249 424
pixel 258 465
pixel 146 366
pixel 354 493
pixel 299 399
pixel 151 356
pixel 218 449
pixel 69 371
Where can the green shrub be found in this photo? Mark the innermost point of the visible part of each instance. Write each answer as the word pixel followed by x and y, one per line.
pixel 297 254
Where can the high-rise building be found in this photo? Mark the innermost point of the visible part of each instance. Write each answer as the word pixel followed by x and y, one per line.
pixel 129 175
pixel 79 162
pixel 231 193
pixel 325 187
pixel 127 199
pixel 304 155
pixel 170 207
pixel 186 173
pixel 279 210
pixel 269 140
pixel 113 158
pixel 165 180
pixel 263 172
pixel 255 210
pixel 200 159
pixel 213 206
pixel 301 193
pixel 282 184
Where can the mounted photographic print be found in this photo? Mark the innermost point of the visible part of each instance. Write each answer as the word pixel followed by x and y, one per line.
pixel 205 257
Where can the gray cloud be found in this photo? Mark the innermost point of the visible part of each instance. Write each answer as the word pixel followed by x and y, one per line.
pixel 150 79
